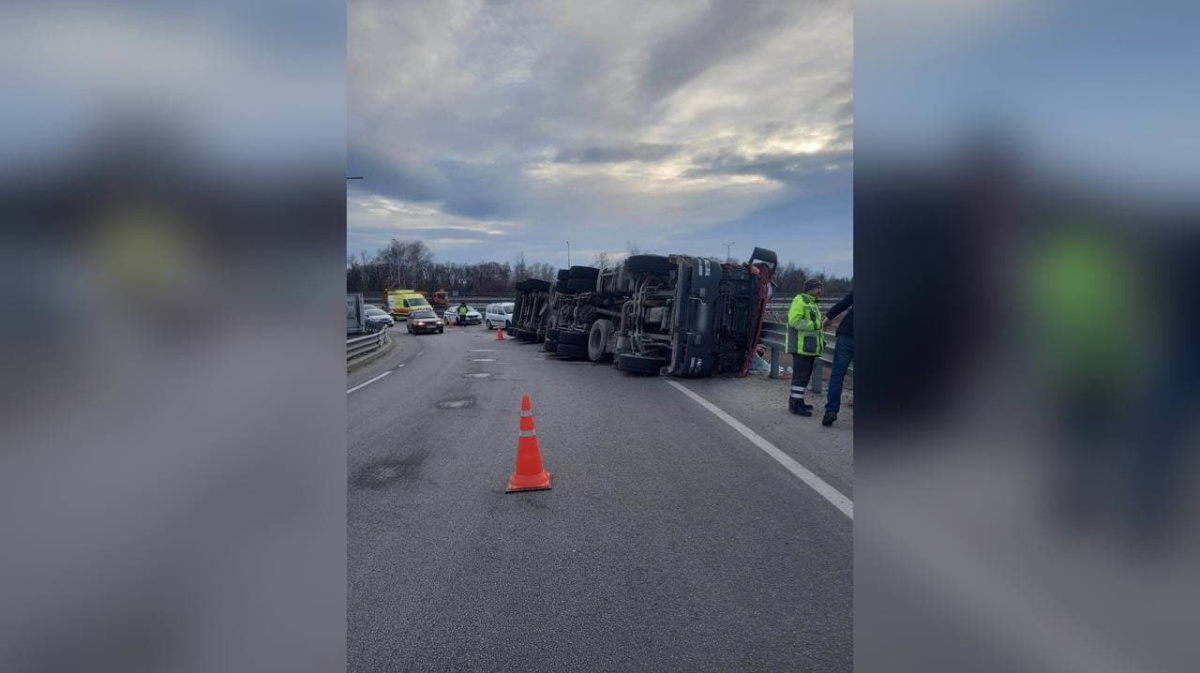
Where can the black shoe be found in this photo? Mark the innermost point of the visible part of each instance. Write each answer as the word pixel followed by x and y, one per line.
pixel 828 420
pixel 807 405
pixel 802 411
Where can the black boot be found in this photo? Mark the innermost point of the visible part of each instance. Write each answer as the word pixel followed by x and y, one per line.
pixel 800 410
pixel 828 420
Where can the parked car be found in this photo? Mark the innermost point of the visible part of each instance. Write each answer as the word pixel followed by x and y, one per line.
pixel 498 315
pixel 377 319
pixel 424 321
pixel 473 317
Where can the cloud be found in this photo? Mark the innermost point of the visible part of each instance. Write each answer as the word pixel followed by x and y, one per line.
pixel 597 122
pixel 644 152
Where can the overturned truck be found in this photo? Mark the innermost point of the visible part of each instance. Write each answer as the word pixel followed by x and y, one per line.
pixel 652 314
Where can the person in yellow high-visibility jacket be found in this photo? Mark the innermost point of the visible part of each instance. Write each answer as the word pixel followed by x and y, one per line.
pixel 806 343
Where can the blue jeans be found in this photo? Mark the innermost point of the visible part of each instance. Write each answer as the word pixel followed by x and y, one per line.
pixel 843 355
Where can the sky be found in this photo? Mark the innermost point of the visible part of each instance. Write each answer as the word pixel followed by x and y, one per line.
pixel 488 129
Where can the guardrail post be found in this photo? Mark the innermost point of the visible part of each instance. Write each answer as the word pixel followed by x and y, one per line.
pixel 818 365
pixel 774 362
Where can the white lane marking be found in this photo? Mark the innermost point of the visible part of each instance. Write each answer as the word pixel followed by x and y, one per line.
pixel 400 365
pixel 844 504
pixel 367 383
pixel 483 359
pixel 482 350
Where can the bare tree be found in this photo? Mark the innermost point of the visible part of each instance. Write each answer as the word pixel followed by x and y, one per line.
pixel 601 260
pixel 633 248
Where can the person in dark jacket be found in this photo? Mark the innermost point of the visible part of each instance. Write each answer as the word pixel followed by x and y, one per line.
pixel 843 355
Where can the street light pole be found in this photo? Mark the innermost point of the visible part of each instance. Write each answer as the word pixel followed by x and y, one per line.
pixel 568 253
pixel 727 245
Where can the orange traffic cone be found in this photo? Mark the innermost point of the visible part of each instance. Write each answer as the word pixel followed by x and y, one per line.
pixel 529 474
pixel 499 334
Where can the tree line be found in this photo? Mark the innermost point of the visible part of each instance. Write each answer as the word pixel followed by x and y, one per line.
pixel 410 264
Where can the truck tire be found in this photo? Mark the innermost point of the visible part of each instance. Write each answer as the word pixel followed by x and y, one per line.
pixel 573 338
pixel 654 264
pixel 551 335
pixel 521 286
pixel 573 352
pixel 581 285
pixel 537 285
pixel 550 346
pixel 585 272
pixel 598 340
pixel 636 364
pixel 527 335
pixel 564 274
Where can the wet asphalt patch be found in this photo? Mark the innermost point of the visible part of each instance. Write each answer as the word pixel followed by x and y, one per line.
pixel 464 403
pixel 390 472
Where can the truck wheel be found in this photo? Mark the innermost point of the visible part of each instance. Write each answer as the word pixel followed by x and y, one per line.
pixel 550 346
pixel 573 338
pixel 584 272
pixel 655 264
pixel 551 335
pixel 636 364
pixel 537 285
pixel 581 285
pixel 528 335
pixel 598 340
pixel 573 352
pixel 564 274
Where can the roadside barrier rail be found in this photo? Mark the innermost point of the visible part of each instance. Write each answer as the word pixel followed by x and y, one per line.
pixel 364 344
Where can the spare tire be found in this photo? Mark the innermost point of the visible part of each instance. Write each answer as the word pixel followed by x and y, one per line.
pixel 572 338
pixel 598 340
pixel 637 364
pixel 655 264
pixel 537 285
pixel 588 272
pixel 574 352
pixel 550 346
pixel 564 274
pixel 581 285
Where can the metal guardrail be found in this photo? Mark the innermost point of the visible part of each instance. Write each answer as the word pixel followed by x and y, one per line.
pixel 774 336
pixel 365 344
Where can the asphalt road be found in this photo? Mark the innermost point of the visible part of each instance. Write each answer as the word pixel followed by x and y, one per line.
pixel 670 542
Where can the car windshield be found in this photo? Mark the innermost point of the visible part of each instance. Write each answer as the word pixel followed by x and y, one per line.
pixel 423 314
pixel 417 301
pixel 375 311
pixel 508 308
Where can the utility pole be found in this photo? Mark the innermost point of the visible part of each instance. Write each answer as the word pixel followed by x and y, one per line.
pixel 568 253
pixel 727 245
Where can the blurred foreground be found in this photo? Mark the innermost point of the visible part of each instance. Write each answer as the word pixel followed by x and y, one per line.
pixel 1028 379
pixel 172 430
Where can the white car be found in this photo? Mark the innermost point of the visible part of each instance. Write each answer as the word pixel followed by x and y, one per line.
pixel 377 319
pixel 473 316
pixel 498 315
